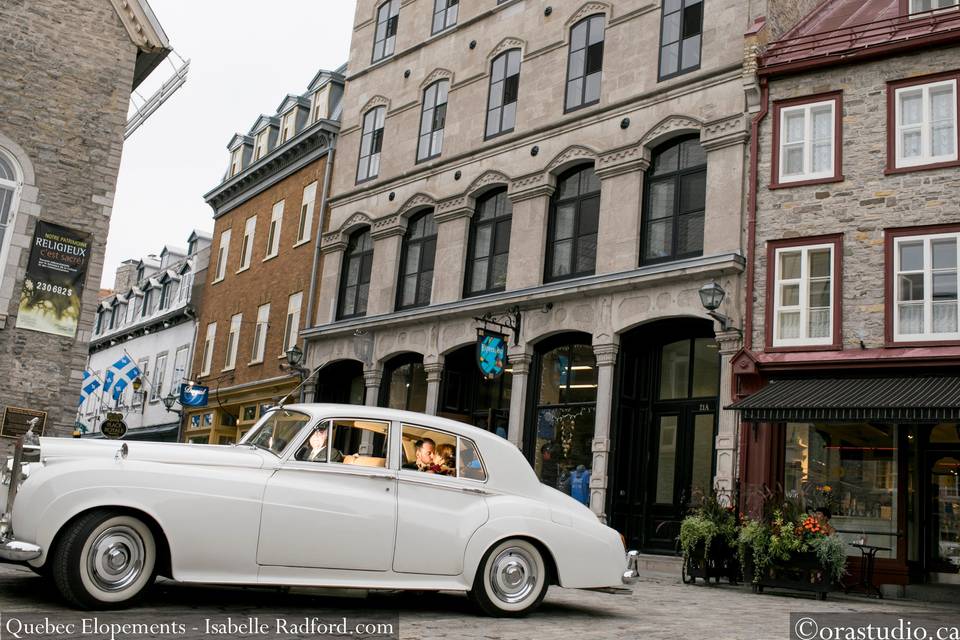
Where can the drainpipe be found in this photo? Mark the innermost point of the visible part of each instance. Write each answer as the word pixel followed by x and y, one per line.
pixel 320 222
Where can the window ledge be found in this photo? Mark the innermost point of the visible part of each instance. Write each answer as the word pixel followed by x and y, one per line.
pixel 921 167
pixel 301 242
pixel 253 363
pixel 805 183
pixel 242 269
pixel 934 342
pixel 229 368
pixel 795 348
pixel 217 280
pixel 271 257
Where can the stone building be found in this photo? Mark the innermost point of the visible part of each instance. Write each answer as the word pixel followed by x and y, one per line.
pixel 151 318
pixel 68 71
pixel 560 170
pixel 268 216
pixel 848 378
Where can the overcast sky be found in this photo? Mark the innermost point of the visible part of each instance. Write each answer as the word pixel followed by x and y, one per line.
pixel 245 57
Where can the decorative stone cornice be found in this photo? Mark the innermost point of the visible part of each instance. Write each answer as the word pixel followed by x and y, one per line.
pixel 505 45
pixel 414 202
pixel 376 101
pixel 572 153
pixel 606 354
pixel 486 179
pixel 669 126
pixel 452 209
pixel 433 370
pixel 730 341
pixel 628 159
pixel 388 226
pixel 372 377
pixel 436 74
pixel 141 25
pixel 520 363
pixel 533 185
pixel 587 9
pixel 725 133
pixel 331 243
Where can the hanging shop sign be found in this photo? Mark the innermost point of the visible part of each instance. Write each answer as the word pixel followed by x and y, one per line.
pixel 491 353
pixel 114 427
pixel 50 299
pixel 194 395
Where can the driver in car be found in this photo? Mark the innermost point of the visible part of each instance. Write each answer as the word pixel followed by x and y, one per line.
pixel 316 448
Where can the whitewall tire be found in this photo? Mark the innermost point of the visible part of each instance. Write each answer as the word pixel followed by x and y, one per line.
pixel 512 579
pixel 104 560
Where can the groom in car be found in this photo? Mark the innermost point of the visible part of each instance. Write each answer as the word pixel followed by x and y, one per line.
pixel 423 457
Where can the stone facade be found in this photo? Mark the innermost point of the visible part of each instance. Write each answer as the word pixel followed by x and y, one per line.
pixel 867 201
pixel 68 72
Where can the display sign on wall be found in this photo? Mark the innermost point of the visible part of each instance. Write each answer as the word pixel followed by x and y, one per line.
pixel 491 353
pixel 50 299
pixel 16 421
pixel 194 395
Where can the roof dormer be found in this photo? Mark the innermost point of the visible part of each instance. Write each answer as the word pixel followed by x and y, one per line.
pixel 241 150
pixel 325 92
pixel 198 241
pixel 294 112
pixel 264 132
pixel 169 255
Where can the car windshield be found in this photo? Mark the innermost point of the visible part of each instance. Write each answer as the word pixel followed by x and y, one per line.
pixel 276 430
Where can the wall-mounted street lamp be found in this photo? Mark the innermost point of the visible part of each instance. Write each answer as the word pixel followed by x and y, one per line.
pixel 168 402
pixel 711 297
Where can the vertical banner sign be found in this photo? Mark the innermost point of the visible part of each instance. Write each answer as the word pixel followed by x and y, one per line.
pixel 491 353
pixel 53 283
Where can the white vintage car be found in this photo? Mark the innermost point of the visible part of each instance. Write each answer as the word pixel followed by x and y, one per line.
pixel 314 495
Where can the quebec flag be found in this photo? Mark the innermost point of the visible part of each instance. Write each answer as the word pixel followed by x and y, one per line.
pixel 89 386
pixel 119 375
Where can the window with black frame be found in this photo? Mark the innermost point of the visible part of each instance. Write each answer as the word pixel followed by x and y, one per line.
pixel 404 383
pixel 572 229
pixel 585 63
pixel 489 246
pixel 444 14
pixel 355 277
pixel 504 87
pixel 385 38
pixel 416 261
pixel 676 186
pixel 680 37
pixel 433 117
pixel 371 142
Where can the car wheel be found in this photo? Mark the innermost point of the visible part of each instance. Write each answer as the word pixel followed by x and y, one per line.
pixel 104 560
pixel 511 580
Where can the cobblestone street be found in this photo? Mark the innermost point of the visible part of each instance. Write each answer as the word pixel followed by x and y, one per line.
pixel 658 608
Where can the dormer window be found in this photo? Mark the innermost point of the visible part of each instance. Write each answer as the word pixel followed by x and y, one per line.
pixel 260 147
pixel 320 108
pixel 236 161
pixel 918 6
pixel 288 126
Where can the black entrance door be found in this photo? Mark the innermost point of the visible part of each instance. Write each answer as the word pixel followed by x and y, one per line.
pixel 943 508
pixel 664 433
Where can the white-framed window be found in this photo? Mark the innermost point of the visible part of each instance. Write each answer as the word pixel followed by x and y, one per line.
pixel 246 249
pixel 260 334
pixel 926 123
pixel 319 103
pixel 236 161
pixel 371 143
pixel 288 125
pixel 159 371
pixel 808 141
pixel 10 183
pixel 261 143
pixel 291 330
pixel 233 339
pixel 186 284
pixel 273 234
pixel 803 295
pixel 917 6
pixel 925 287
pixel 131 308
pixel 223 252
pixel 305 225
pixel 120 314
pixel 180 363
pixel 207 359
pixel 136 399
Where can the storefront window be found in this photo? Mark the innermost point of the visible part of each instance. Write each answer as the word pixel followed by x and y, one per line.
pixel 406 385
pixel 565 416
pixel 849 471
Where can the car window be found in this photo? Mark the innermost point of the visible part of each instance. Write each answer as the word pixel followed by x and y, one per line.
pixel 426 450
pixel 276 430
pixel 354 442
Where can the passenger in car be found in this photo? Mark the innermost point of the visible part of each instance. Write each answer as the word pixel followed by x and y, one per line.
pixel 443 460
pixel 423 456
pixel 315 450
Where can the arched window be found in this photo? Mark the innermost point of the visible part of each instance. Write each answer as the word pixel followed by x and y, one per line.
pixel 489 244
pixel 504 87
pixel 9 191
pixel 416 262
pixel 585 63
pixel 355 276
pixel 385 38
pixel 404 383
pixel 675 200
pixel 572 230
pixel 371 142
pixel 433 118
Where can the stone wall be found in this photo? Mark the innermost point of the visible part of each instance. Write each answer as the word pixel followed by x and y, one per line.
pixel 866 202
pixel 67 72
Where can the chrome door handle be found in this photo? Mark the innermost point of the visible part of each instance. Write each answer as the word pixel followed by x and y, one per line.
pixel 479 492
pixel 377 476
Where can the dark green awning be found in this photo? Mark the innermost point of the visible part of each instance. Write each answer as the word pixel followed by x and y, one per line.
pixel 901 399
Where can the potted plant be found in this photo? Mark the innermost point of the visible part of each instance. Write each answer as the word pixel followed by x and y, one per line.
pixel 791 549
pixel 707 540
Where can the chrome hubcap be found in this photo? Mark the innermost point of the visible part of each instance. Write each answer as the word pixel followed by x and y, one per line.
pixel 513 575
pixel 115 559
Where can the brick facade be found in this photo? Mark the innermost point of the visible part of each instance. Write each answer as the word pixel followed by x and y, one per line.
pixel 68 68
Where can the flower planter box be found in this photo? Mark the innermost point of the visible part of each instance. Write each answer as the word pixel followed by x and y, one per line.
pixel 803 572
pixel 721 562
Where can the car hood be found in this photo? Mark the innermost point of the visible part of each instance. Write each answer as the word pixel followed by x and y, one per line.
pixel 168 452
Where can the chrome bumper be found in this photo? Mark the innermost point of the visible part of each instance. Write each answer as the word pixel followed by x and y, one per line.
pixel 18 551
pixel 632 573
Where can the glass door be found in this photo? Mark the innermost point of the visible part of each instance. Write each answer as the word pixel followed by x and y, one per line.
pixel 944 548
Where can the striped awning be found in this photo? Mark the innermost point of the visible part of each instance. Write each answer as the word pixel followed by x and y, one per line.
pixel 913 399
